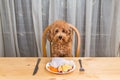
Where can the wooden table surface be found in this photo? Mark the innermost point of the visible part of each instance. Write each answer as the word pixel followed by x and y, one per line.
pixel 96 68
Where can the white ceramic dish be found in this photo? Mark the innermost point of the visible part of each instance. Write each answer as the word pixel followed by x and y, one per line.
pixel 48 64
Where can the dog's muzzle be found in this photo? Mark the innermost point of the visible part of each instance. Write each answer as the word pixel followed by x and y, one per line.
pixel 60 37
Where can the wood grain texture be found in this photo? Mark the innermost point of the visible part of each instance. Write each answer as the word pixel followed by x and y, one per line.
pixel 95 69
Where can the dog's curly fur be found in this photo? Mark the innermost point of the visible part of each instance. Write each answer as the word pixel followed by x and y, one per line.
pixel 60 36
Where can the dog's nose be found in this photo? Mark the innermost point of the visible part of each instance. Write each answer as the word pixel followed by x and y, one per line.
pixel 60 37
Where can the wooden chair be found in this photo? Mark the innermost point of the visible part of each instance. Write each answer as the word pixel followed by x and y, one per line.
pixel 44 39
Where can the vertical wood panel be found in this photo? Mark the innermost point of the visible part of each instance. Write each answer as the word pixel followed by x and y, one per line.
pixel 88 27
pixel 117 36
pixel 37 22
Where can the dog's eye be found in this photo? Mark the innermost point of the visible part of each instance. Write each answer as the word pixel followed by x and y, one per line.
pixel 63 30
pixel 56 30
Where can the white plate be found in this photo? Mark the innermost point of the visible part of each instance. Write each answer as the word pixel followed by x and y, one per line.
pixel 48 64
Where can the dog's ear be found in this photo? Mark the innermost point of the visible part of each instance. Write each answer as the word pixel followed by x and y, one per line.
pixel 50 35
pixel 70 33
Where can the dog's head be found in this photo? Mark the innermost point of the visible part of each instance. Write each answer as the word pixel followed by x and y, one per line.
pixel 60 32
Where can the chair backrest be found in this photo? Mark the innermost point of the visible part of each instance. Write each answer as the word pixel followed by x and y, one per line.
pixel 44 39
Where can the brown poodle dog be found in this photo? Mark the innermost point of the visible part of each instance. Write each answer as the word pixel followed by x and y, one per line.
pixel 60 36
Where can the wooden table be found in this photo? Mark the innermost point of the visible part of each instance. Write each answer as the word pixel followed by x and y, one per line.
pixel 96 68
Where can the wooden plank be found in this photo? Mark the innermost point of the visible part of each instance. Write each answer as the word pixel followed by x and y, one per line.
pixel 95 69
